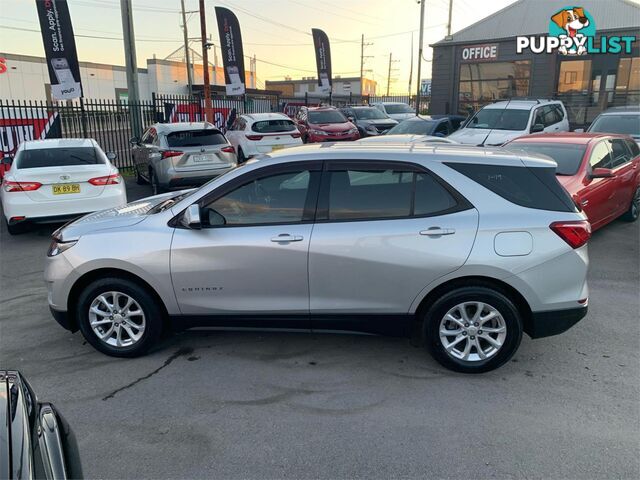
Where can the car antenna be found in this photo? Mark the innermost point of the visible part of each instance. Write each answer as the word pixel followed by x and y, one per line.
pixel 499 118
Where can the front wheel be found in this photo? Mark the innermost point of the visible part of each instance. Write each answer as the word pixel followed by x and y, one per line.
pixel 473 329
pixel 119 317
pixel 633 213
pixel 155 183
pixel 241 157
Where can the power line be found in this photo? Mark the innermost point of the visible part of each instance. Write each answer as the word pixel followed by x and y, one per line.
pixel 97 37
pixel 334 14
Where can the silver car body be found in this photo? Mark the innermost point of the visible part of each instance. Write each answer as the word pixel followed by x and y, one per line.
pixel 193 165
pixel 370 267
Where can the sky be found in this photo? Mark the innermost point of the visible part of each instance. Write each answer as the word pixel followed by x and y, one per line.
pixel 277 32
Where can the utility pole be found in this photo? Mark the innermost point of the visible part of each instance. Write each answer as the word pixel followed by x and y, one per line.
pixel 186 48
pixel 131 66
pixel 362 57
pixel 419 79
pixel 205 62
pixel 449 22
pixel 411 68
pixel 391 61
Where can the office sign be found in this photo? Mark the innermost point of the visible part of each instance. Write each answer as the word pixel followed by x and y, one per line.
pixel 323 59
pixel 232 52
pixel 480 53
pixel 60 49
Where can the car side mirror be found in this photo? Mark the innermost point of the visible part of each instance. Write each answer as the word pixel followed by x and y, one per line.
pixel 7 161
pixel 538 127
pixel 112 156
pixel 191 217
pixel 579 130
pixel 134 141
pixel 601 173
pixel 350 118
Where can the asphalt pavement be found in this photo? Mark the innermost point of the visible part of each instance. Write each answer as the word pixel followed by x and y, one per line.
pixel 221 404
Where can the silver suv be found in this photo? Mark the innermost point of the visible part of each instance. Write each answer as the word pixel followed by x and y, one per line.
pixel 462 247
pixel 183 154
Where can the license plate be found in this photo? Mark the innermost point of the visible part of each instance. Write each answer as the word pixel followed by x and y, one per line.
pixel 65 188
pixel 201 158
pixel 277 147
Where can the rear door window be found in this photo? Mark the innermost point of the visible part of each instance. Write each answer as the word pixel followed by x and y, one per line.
pixel 195 138
pixel 56 157
pixel 535 187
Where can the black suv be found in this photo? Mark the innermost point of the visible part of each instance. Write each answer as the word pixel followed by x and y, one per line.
pixel 369 120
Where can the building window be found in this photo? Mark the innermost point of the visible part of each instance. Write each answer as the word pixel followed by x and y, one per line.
pixel 574 76
pixel 628 75
pixel 483 83
pixel 312 87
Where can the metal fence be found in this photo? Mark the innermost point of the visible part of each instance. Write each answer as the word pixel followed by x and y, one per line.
pixel 113 123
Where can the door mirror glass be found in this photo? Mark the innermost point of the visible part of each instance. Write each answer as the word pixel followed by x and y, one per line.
pixel 538 127
pixel 112 156
pixel 191 217
pixel 601 173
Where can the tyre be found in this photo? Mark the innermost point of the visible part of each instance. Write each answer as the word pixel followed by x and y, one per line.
pixel 241 157
pixel 633 213
pixel 473 329
pixel 155 183
pixel 119 317
pixel 16 229
pixel 140 180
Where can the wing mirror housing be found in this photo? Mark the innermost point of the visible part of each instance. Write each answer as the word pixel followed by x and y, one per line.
pixel 601 173
pixel 112 156
pixel 134 141
pixel 191 217
pixel 7 161
pixel 538 127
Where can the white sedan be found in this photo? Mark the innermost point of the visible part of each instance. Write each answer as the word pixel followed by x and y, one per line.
pixel 57 180
pixel 257 133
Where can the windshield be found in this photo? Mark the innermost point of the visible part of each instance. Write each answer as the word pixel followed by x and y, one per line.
pixel 624 124
pixel 567 156
pixel 56 157
pixel 326 116
pixel 413 127
pixel 399 108
pixel 273 126
pixel 369 114
pixel 195 138
pixel 500 119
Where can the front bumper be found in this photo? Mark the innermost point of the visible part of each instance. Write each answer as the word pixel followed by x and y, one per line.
pixel 64 319
pixel 333 138
pixel 554 322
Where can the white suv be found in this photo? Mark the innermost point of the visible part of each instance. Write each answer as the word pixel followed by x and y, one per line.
pixel 497 123
pixel 258 133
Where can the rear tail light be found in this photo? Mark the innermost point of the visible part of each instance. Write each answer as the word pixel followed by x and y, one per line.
pixel 170 153
pixel 295 135
pixel 254 137
pixel 20 186
pixel 228 149
pixel 108 180
pixel 576 234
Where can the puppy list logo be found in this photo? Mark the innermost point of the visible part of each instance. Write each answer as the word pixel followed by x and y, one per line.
pixel 572 31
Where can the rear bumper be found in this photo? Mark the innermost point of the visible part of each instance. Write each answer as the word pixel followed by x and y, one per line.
pixel 189 178
pixel 554 322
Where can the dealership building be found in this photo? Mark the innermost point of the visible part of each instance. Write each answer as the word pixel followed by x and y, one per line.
pixel 480 64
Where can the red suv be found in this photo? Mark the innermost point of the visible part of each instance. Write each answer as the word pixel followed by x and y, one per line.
pixel 600 171
pixel 324 124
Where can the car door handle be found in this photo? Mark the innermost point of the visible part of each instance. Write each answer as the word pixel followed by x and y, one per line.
pixel 584 203
pixel 437 231
pixel 286 238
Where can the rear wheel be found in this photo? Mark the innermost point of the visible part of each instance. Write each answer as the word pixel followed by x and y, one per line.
pixel 473 329
pixel 241 157
pixel 15 229
pixel 119 317
pixel 140 180
pixel 633 213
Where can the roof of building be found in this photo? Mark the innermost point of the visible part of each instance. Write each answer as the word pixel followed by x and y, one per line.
pixel 530 17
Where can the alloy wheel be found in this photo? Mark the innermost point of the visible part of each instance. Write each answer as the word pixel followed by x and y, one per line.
pixel 117 319
pixel 472 331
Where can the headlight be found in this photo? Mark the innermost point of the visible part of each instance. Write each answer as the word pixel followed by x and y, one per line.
pixel 354 130
pixel 319 132
pixel 57 247
pixel 371 128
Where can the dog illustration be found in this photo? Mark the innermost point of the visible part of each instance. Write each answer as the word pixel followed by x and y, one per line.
pixel 571 21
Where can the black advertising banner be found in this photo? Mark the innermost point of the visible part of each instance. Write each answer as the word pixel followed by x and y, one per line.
pixel 323 59
pixel 232 53
pixel 60 49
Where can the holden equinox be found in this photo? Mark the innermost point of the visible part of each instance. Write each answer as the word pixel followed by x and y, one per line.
pixel 461 248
